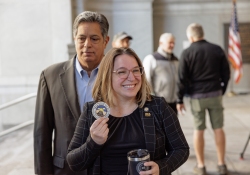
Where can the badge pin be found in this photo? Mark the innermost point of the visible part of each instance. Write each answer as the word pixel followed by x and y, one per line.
pixel 147 114
pixel 146 109
pixel 100 109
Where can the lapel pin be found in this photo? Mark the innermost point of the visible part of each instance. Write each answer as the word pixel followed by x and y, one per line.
pixel 147 114
pixel 146 109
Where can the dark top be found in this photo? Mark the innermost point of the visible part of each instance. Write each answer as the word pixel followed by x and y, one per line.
pixel 203 68
pixel 125 134
pixel 163 135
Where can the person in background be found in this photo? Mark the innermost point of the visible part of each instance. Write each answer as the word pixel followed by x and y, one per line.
pixel 137 120
pixel 161 69
pixel 63 89
pixel 121 39
pixel 204 71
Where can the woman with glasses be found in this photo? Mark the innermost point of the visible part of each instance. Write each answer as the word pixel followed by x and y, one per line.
pixel 125 116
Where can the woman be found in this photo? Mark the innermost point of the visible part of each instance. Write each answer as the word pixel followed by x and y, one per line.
pixel 137 120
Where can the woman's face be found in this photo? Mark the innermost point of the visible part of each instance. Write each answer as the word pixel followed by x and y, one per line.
pixel 126 80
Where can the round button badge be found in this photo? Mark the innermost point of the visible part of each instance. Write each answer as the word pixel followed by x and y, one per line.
pixel 100 109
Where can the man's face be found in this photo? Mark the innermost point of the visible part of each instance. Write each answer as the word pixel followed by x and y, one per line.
pixel 122 43
pixel 168 44
pixel 90 45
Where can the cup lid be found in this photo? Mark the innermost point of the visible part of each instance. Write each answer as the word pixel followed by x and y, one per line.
pixel 138 155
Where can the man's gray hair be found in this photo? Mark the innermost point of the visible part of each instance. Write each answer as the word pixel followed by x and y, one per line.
pixel 165 36
pixel 88 16
pixel 195 30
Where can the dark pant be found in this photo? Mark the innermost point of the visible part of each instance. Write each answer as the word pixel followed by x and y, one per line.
pixel 173 106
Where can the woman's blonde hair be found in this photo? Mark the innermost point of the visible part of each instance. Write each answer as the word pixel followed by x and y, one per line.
pixel 103 90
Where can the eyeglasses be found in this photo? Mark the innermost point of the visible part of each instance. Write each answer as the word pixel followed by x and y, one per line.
pixel 124 73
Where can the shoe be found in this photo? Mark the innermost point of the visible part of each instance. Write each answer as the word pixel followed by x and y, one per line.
pixel 222 169
pixel 199 171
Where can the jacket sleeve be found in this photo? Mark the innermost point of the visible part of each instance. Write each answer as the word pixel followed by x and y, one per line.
pixel 176 145
pixel 43 129
pixel 82 150
pixel 225 72
pixel 182 81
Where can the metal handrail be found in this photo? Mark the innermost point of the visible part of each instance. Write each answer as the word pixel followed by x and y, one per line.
pixel 18 100
pixel 11 103
pixel 14 128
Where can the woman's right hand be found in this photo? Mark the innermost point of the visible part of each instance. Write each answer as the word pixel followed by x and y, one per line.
pixel 99 130
pixel 155 170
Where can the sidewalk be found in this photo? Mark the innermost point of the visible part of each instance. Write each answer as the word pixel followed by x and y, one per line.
pixel 16 156
pixel 237 130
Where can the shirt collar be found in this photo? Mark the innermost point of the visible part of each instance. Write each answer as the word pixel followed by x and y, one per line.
pixel 80 69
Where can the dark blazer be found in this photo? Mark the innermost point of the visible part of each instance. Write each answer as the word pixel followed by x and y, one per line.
pixel 163 135
pixel 57 110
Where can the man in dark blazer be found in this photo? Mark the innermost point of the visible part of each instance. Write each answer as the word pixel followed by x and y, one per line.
pixel 62 91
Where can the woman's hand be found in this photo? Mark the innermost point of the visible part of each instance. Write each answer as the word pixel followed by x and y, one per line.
pixel 99 130
pixel 154 169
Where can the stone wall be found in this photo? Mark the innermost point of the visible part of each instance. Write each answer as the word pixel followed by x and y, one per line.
pixel 34 35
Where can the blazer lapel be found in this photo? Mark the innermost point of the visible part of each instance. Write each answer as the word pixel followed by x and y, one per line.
pixel 149 129
pixel 67 79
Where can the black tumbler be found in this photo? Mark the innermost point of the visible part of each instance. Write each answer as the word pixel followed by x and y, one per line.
pixel 136 160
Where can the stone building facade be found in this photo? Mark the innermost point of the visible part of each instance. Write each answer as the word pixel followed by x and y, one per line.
pixel 36 34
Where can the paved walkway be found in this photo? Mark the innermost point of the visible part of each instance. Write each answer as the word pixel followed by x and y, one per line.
pixel 237 130
pixel 16 155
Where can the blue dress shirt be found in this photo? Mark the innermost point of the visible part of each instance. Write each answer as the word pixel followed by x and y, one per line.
pixel 84 83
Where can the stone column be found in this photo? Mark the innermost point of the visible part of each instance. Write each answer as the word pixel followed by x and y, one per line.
pixel 131 16
pixel 77 6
